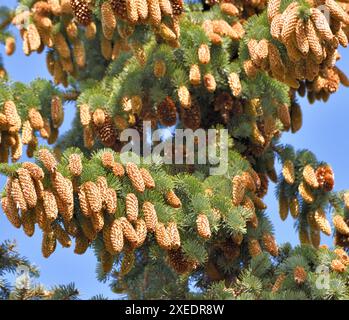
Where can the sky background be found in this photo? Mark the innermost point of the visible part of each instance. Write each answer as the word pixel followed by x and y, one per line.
pixel 325 132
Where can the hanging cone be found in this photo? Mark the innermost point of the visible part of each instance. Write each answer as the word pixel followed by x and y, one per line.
pixel 254 247
pixel 325 177
pixel 167 112
pixel 288 171
pixel 81 11
pixel 270 244
pixel 47 159
pixel 294 207
pixel 322 222
pixel 299 274
pixel 135 176
pixel 11 212
pixel 337 266
pixel 278 283
pixel 203 226
pixel 173 232
pixel 131 207
pixel 162 237
pixel 28 187
pixel 48 244
pixel 310 176
pixel 238 190
pixel 150 216
pixel 75 164
pixel 147 178
pixel 116 237
pixel 306 193
pixel 283 206
pixel 81 244
pixel 141 230
pixel 62 236
pixel 173 200
pixel 129 232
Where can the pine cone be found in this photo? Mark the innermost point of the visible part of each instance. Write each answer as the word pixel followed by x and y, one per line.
pixel 147 178
pixel 107 158
pixel 167 112
pixel 238 190
pixel 340 225
pixel 325 177
pixel 97 219
pixel 116 237
pixel 81 244
pixel 15 194
pixel 127 263
pixel 310 177
pixel 273 9
pixel 119 7
pixel 62 236
pixel 81 11
pixel 278 283
pixel 27 186
pixel 195 75
pixel 75 164
pixel 299 274
pixel 34 170
pixel 154 12
pixel 93 196
pixel 322 222
pixel 150 216
pixel 203 226
pixel 288 171
pixel 88 137
pixel 50 206
pixel 173 232
pixel 191 118
pixel 48 244
pixel 48 160
pixel 284 116
pixel 107 261
pixel 107 133
pixel 11 212
pixel 306 193
pixel 210 82
pixel 64 188
pixel 10 46
pixel 85 115
pixel 159 68
pixel 173 200
pixel 111 201
pixel 35 119
pixel 184 97
pixel 294 207
pixel 135 176
pixel 338 266
pixel 283 206
pixel 234 84
pixel 129 232
pixel 254 247
pixel 270 244
pixel 204 54
pixel 162 237
pixel 296 117
pixel 141 230
pixel 118 170
pixel 131 207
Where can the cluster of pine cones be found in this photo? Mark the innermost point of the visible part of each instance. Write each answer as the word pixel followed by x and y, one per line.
pixel 309 184
pixel 309 39
pixel 339 264
pixel 14 133
pixel 38 29
pixel 28 202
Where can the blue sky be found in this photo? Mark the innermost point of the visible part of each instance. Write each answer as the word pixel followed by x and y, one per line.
pixel 324 131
